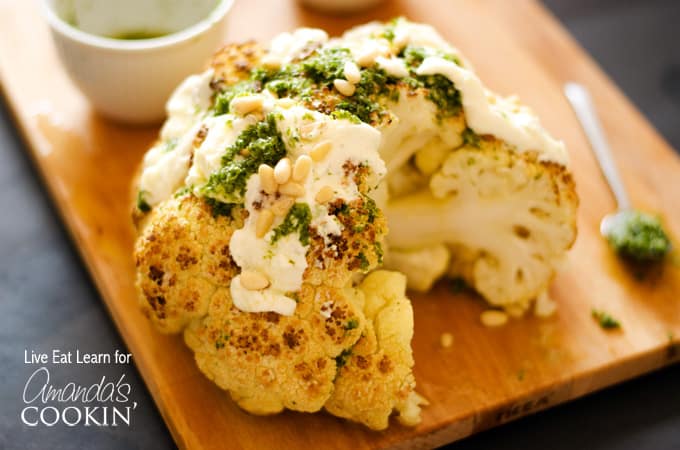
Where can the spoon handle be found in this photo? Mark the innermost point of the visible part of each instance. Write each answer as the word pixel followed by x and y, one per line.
pixel 584 108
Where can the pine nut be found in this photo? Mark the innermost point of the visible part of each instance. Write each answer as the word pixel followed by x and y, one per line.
pixel 271 62
pixel 324 195
pixel 446 340
pixel 253 280
pixel 493 318
pixel 368 58
pixel 400 40
pixel 351 72
pixel 264 222
pixel 267 180
pixel 344 87
pixel 281 206
pixel 282 171
pixel 246 104
pixel 292 189
pixel 285 102
pixel 302 167
pixel 320 150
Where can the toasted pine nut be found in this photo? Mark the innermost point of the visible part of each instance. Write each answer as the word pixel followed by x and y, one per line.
pixel 400 40
pixel 302 167
pixel 264 222
pixel 267 180
pixel 282 171
pixel 253 280
pixel 368 58
pixel 493 318
pixel 246 104
pixel 344 87
pixel 324 195
pixel 446 340
pixel 320 150
pixel 285 102
pixel 281 206
pixel 292 189
pixel 271 62
pixel 351 72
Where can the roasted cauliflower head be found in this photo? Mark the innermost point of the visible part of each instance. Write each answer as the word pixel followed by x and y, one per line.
pixel 263 209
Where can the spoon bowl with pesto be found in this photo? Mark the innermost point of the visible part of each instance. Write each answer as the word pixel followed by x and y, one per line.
pixel 631 233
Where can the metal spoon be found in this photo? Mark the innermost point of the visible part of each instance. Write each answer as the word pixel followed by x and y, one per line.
pixel 625 218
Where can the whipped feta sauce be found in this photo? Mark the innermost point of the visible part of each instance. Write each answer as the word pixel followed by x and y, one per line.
pixel 166 164
pixel 287 47
pixel 488 114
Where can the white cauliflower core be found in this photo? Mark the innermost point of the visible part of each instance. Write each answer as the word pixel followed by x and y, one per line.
pixel 269 194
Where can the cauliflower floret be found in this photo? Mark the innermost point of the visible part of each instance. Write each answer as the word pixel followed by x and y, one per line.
pixel 265 360
pixel 422 266
pixel 375 376
pixel 506 217
pixel 182 255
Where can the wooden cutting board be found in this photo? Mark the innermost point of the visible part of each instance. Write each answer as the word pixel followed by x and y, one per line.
pixel 488 376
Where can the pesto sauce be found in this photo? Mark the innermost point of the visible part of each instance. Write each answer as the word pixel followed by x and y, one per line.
pixel 342 358
pixel 297 220
pixel 313 77
pixel 139 35
pixel 639 236
pixel 605 320
pixel 142 204
pixel 219 208
pixel 264 145
pixel 470 138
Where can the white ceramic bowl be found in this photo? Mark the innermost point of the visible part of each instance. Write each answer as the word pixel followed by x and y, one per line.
pixel 130 80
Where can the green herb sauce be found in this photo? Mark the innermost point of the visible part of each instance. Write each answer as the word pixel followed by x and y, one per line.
pixel 297 220
pixel 605 320
pixel 639 236
pixel 264 145
pixel 312 79
pixel 142 204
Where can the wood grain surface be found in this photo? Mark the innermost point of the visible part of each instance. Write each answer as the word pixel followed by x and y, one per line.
pixel 488 376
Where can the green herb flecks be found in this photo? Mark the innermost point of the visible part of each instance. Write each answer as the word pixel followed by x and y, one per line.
pixel 260 143
pixel 470 138
pixel 605 320
pixel 219 208
pixel 380 253
pixel 221 341
pixel 352 324
pixel 342 358
pixel 297 220
pixel 142 204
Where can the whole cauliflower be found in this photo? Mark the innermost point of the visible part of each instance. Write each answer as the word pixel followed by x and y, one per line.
pixel 263 212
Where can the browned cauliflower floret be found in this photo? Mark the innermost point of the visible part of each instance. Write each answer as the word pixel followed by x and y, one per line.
pixel 267 361
pixel 182 256
pixel 375 376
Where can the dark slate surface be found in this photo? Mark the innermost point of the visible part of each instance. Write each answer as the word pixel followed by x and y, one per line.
pixel 48 301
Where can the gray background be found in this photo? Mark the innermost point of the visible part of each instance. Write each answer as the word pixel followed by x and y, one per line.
pixel 47 299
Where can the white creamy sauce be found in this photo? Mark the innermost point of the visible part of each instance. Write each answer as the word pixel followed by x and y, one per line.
pixel 167 163
pixel 393 66
pixel 287 47
pixel 503 119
